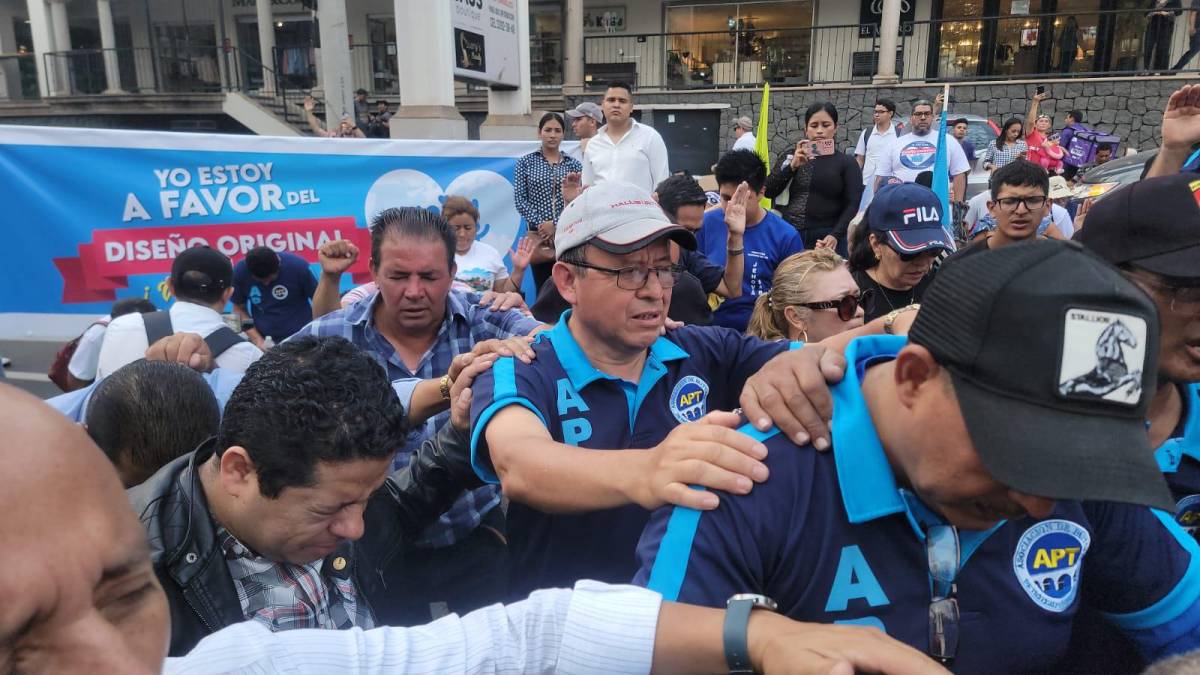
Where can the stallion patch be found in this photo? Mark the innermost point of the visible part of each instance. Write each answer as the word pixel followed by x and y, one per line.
pixel 1103 356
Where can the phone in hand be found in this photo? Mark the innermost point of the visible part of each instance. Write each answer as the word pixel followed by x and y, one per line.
pixel 1041 89
pixel 823 146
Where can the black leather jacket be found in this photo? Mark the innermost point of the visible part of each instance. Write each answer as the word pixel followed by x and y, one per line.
pixel 193 572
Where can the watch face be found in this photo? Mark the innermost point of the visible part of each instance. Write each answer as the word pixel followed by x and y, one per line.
pixel 757 600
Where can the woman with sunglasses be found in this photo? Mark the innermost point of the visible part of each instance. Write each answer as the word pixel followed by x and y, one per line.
pixel 812 297
pixel 893 259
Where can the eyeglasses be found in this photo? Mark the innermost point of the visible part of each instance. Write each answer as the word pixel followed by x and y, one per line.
pixel 1185 300
pixel 923 114
pixel 635 278
pixel 1031 203
pixel 846 307
pixel 882 112
pixel 942 553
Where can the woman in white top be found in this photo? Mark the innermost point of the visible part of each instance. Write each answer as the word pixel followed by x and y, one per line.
pixel 481 268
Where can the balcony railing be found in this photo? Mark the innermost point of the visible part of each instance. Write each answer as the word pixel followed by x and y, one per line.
pixel 1099 43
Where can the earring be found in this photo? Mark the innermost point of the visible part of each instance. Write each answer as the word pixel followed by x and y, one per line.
pixel 804 333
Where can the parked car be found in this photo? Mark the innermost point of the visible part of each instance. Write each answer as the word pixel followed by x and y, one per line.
pixel 980 131
pixel 1099 181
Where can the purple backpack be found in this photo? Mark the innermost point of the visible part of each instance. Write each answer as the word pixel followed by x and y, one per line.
pixel 1080 148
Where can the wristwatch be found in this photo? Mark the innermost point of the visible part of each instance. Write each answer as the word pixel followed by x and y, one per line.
pixel 889 322
pixel 444 386
pixel 735 251
pixel 737 619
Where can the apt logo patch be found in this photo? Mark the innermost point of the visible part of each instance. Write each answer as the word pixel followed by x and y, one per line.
pixel 279 292
pixel 1047 562
pixel 1103 355
pixel 689 399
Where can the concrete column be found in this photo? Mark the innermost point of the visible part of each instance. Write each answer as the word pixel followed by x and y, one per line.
pixel 108 41
pixel 426 63
pixel 62 43
pixel 573 48
pixel 43 42
pixel 10 73
pixel 509 111
pixel 336 77
pixel 889 36
pixel 266 43
pixel 143 51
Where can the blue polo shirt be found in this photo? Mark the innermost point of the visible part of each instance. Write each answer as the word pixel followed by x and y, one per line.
pixel 832 539
pixel 766 245
pixel 1179 458
pixel 687 373
pixel 281 307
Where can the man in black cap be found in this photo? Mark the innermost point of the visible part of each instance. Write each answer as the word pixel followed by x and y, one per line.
pixel 1035 364
pixel 202 282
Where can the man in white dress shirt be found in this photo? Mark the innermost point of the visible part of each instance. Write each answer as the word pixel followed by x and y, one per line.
pixel 743 133
pixel 202 281
pixel 625 149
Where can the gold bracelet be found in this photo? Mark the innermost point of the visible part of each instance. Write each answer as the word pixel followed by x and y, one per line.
pixel 889 322
pixel 444 386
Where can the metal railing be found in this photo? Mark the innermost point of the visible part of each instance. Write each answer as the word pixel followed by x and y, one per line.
pixel 375 69
pixel 545 62
pixel 136 70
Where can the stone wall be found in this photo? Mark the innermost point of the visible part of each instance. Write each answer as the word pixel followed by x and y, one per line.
pixel 1131 108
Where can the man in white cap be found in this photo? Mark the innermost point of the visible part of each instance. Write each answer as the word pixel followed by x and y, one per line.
pixel 590 436
pixel 743 134
pixel 586 119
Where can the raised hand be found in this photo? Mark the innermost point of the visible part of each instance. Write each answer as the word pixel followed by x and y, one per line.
pixel 523 253
pixel 572 186
pixel 735 210
pixel 1181 119
pixel 337 256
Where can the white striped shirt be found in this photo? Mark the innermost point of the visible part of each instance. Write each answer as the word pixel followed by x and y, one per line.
pixel 595 628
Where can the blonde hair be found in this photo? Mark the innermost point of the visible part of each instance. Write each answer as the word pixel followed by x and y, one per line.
pixel 789 288
pixel 456 205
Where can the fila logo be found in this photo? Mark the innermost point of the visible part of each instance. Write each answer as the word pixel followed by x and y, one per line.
pixel 923 214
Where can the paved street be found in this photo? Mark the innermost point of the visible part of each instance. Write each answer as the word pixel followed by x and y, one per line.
pixel 30 361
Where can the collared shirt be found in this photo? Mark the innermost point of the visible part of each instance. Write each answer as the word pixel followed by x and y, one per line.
pixel 466 323
pixel 640 157
pixel 592 630
pixel 1005 155
pixel 874 145
pixel 1179 458
pixel 832 538
pixel 537 186
pixel 744 142
pixel 687 373
pixel 87 351
pixel 281 307
pixel 282 596
pixel 125 338
pixel 74 404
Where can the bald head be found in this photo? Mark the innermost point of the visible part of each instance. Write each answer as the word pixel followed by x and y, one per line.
pixel 80 594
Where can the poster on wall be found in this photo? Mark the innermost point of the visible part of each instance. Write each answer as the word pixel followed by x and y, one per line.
pixel 86 242
pixel 604 19
pixel 485 41
pixel 870 12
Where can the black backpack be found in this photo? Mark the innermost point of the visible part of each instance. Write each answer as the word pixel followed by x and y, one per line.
pixel 158 326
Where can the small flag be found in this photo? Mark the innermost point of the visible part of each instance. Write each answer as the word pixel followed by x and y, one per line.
pixel 760 136
pixel 941 169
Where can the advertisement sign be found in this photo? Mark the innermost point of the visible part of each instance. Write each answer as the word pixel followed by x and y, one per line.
pixel 485 41
pixel 871 11
pixel 95 215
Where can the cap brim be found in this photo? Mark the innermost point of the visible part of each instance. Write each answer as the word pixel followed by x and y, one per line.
pixel 576 113
pixel 1061 195
pixel 910 242
pixel 639 234
pixel 1182 263
pixel 1059 454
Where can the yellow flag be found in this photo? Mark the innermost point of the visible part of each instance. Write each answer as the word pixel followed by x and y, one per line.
pixel 760 136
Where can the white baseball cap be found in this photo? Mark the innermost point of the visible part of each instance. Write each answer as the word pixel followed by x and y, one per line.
pixel 616 217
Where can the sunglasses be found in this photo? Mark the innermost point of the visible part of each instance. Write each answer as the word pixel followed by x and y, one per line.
pixel 942 552
pixel 846 307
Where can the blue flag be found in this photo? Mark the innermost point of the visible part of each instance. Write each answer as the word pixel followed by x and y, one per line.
pixel 941 176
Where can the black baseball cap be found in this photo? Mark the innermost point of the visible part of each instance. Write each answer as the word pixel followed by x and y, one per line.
pixel 1053 356
pixel 200 270
pixel 1153 225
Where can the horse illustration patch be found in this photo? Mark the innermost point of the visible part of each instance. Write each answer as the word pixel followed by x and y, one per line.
pixel 1103 356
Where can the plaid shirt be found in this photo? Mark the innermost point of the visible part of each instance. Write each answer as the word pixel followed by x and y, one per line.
pixel 286 597
pixel 466 323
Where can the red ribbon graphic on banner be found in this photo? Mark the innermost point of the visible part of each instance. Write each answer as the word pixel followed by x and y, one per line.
pixel 104 265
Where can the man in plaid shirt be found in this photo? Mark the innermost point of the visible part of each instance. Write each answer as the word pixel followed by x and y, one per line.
pixel 418 329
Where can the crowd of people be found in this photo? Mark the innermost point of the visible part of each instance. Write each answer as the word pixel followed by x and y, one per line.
pixel 731 437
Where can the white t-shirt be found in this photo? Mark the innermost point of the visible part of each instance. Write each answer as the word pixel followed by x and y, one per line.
pixel 640 157
pixel 746 142
pixel 479 268
pixel 872 146
pixel 911 154
pixel 125 340
pixel 1062 220
pixel 977 208
pixel 87 352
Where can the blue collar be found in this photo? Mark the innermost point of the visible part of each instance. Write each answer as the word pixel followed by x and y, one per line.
pixel 362 313
pixel 579 368
pixel 868 487
pixel 1173 450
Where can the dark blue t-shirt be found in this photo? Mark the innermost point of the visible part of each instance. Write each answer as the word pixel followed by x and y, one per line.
pixel 832 539
pixel 688 373
pixel 766 244
pixel 281 307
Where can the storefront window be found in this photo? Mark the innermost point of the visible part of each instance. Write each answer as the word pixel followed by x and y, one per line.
pixel 545 44
pixel 739 43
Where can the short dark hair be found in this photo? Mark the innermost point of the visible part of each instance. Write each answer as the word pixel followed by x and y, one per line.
pixel 961 120
pixel 551 116
pixel 383 101
pixel 920 102
pixel 130 305
pixel 411 221
pixel 262 262
pixel 620 84
pixel 307 401
pixel 1105 146
pixel 1019 173
pixel 360 92
pixel 576 255
pixel 1077 114
pixel 815 108
pixel 737 166
pixel 151 412
pixel 887 103
pixel 678 191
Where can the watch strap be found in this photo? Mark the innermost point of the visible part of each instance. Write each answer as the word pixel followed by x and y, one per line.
pixel 737 647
